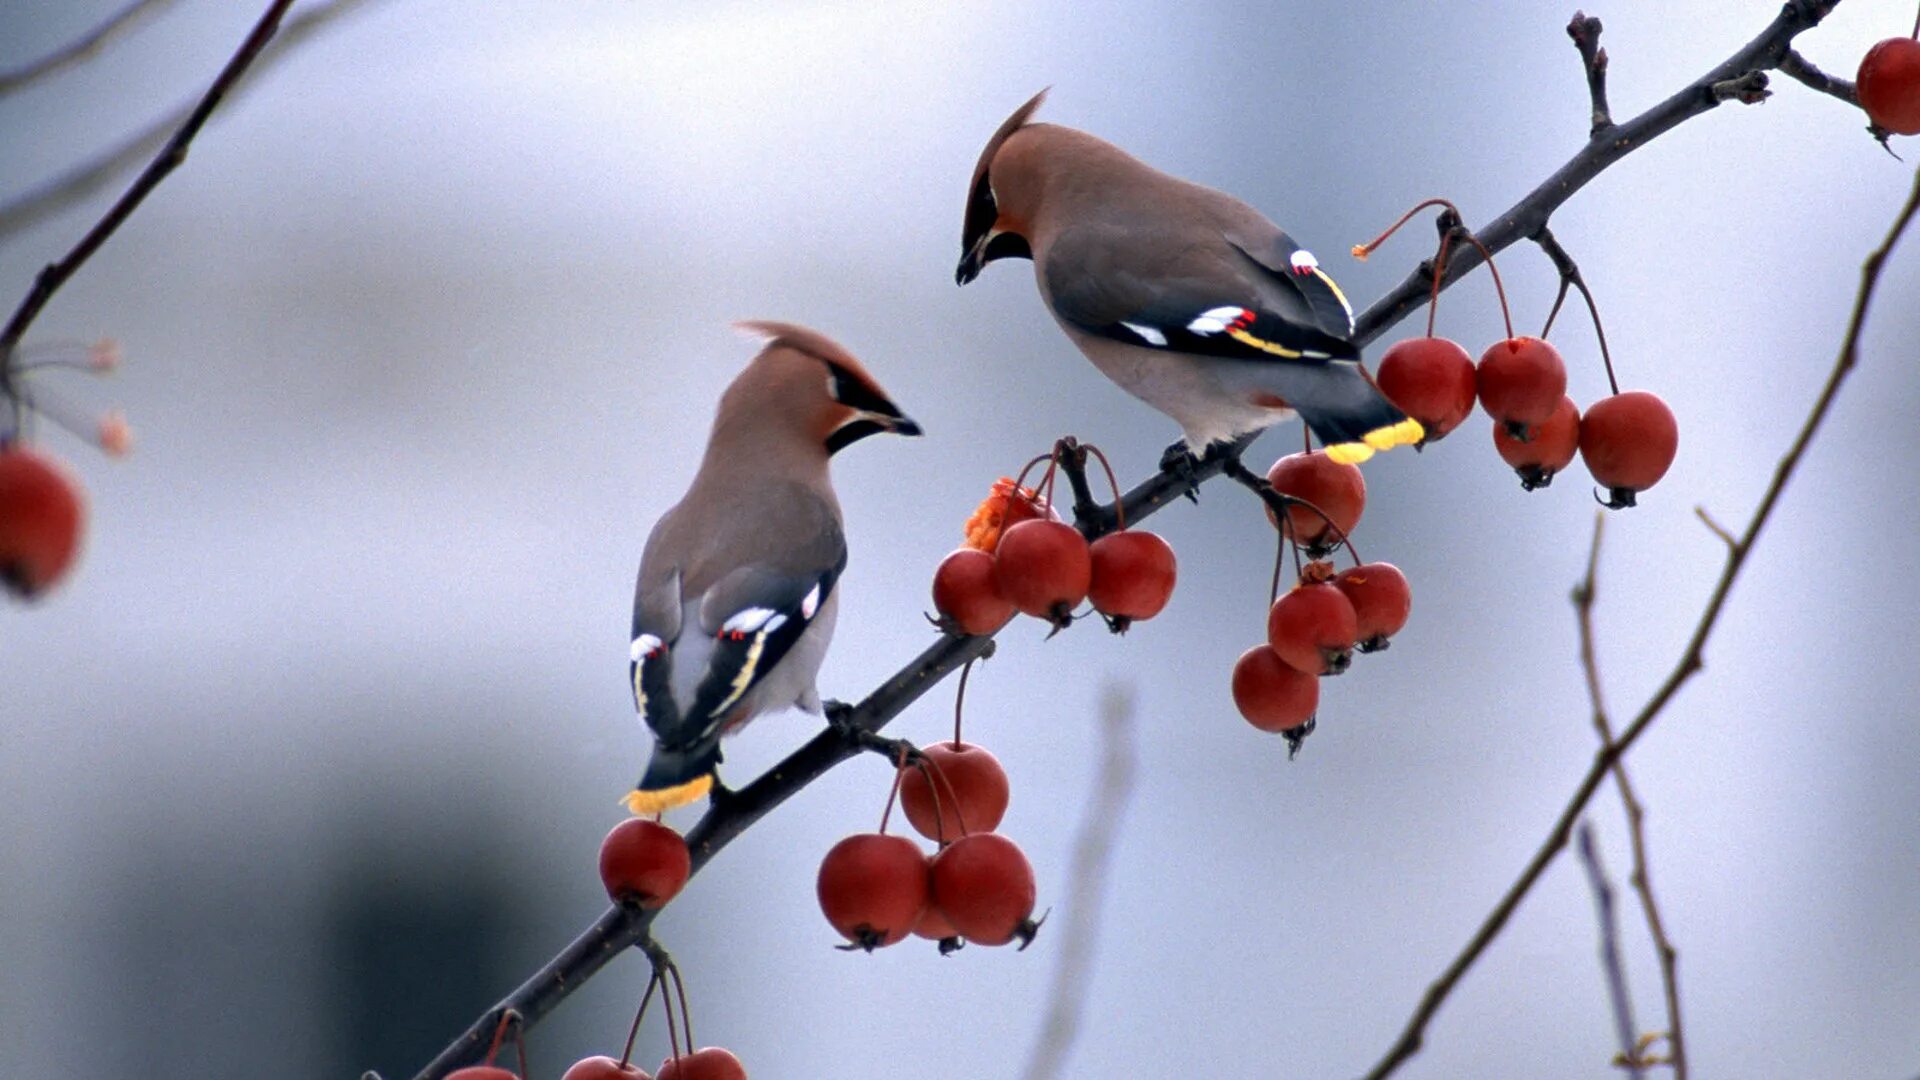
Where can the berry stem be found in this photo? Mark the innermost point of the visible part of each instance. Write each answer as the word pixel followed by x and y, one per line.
pixel 959 698
pixel 1119 515
pixel 507 1016
pixel 1279 559
pixel 686 1011
pixel 933 788
pixel 1498 288
pixel 666 1002
pixel 937 776
pixel 1570 277
pixel 1439 271
pixel 1020 478
pixel 899 770
pixel 639 1014
pixel 1361 251
pixel 1450 223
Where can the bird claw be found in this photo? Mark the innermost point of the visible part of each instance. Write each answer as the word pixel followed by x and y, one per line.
pixel 1182 464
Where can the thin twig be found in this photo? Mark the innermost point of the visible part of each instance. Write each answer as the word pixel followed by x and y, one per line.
pixel 56 274
pixel 1087 883
pixel 1570 276
pixel 1716 528
pixel 80 48
pixel 1692 659
pixel 1795 66
pixel 1585 32
pixel 1642 878
pixel 82 181
pixel 1526 217
pixel 1622 1003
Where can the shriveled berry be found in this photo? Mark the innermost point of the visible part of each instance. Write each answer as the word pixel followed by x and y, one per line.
pixel 1044 568
pixel 644 862
pixel 1337 489
pixel 974 791
pixel 1547 449
pixel 984 885
pixel 1889 85
pixel 1271 695
pixel 41 519
pixel 1521 381
pixel 1628 442
pixel 1133 574
pixel 873 888
pixel 966 595
pixel 1432 380
pixel 1313 629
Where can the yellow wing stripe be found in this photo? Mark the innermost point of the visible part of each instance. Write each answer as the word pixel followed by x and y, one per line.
pixel 1262 344
pixel 1337 294
pixel 744 677
pixel 643 803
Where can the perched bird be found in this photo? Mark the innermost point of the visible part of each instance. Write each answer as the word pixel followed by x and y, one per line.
pixel 1188 298
pixel 735 600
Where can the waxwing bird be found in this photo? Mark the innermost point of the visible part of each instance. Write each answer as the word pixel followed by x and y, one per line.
pixel 735 600
pixel 1186 297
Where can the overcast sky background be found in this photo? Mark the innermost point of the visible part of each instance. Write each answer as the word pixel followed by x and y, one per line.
pixel 309 761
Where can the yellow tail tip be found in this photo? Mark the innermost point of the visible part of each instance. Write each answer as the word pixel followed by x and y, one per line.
pixel 646 803
pixel 1349 453
pixel 1405 433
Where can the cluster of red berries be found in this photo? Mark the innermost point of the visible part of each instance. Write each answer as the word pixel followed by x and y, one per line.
pixel 1315 627
pixel 1019 556
pixel 977 886
pixel 1627 441
pixel 1889 85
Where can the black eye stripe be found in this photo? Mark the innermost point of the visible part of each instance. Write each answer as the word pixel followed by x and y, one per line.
pixel 853 392
pixel 982 212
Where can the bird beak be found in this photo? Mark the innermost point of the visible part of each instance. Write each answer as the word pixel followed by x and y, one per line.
pixel 972 261
pixel 905 426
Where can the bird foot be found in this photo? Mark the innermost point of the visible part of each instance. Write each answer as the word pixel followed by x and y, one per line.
pixel 1183 465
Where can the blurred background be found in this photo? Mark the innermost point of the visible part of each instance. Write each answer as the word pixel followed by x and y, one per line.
pixel 309 762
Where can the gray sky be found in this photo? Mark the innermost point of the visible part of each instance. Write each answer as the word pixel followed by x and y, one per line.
pixel 428 331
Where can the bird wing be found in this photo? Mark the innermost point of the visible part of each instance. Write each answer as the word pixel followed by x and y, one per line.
pixel 753 616
pixel 1162 289
pixel 1291 266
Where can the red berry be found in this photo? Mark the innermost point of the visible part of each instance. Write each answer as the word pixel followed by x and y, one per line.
pixel 1338 490
pixel 965 595
pixel 1043 567
pixel 973 779
pixel 604 1068
pixel 644 862
pixel 873 888
pixel 934 926
pixel 711 1063
pixel 41 518
pixel 1432 380
pixel 1521 381
pixel 1133 576
pixel 1271 695
pixel 1548 447
pixel 1889 85
pixel 483 1072
pixel 1313 629
pixel 1381 600
pixel 984 886
pixel 1628 441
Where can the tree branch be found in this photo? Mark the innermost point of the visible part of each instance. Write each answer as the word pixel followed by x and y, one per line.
pixel 83 180
pixel 1795 66
pixel 171 155
pixel 1690 662
pixel 80 48
pixel 1642 880
pixel 1610 952
pixel 1740 75
pixel 1585 32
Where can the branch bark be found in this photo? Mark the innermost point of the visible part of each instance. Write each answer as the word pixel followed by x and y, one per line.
pixel 81 48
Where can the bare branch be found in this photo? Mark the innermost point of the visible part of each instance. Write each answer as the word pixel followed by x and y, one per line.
pixel 56 274
pixel 81 48
pixel 1642 879
pixel 1585 32
pixel 1092 859
pixel 1526 217
pixel 84 180
pixel 1610 952
pixel 1690 663
pixel 1795 66
pixel 1716 528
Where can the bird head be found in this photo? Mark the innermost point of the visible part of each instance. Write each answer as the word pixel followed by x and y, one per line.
pixel 999 200
pixel 804 385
